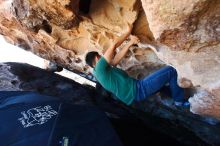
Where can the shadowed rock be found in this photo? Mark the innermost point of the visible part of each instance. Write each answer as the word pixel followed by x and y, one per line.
pixel 157 113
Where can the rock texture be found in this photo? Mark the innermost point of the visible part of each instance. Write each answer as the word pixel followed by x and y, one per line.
pixel 184 34
pixel 64 31
pixel 189 37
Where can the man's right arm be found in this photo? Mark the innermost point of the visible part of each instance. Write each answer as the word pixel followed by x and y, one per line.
pixel 109 54
pixel 124 50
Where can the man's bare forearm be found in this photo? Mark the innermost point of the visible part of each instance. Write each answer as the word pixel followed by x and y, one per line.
pixel 124 50
pixel 109 54
pixel 121 54
pixel 121 39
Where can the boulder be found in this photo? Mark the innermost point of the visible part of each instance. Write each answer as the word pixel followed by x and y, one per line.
pixel 188 36
pixel 183 34
pixel 154 121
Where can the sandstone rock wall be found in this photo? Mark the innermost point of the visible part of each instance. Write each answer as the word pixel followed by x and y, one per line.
pixel 189 34
pixel 184 34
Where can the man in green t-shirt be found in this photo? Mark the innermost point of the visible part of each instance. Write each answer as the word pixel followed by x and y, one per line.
pixel 128 89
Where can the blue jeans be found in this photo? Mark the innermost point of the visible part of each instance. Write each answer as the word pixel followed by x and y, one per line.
pixel 154 82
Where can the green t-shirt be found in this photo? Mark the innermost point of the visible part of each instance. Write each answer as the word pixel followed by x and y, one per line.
pixel 115 80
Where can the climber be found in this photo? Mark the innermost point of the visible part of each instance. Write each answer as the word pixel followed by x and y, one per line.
pixel 128 89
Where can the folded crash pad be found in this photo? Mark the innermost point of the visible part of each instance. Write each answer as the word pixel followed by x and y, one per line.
pixel 32 119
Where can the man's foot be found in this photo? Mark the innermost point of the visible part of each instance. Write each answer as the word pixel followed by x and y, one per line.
pixel 184 104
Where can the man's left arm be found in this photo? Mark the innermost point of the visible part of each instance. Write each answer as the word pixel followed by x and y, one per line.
pixel 124 50
pixel 109 53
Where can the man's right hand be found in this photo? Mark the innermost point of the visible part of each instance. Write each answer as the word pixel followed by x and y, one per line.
pixel 134 39
pixel 109 54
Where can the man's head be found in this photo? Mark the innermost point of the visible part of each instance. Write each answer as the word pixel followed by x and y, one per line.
pixel 92 58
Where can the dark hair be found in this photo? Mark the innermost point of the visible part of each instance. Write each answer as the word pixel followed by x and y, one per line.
pixel 90 57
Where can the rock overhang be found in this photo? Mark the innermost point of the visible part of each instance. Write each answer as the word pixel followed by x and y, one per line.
pixel 186 34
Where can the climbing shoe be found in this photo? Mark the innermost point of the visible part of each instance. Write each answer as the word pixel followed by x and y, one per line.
pixel 182 104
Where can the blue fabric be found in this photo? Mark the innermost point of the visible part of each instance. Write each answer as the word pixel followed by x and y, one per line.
pixel 24 97
pixel 32 119
pixel 154 82
pixel 83 126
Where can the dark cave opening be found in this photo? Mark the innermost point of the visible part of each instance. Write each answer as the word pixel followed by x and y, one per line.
pixel 84 6
pixel 46 26
pixel 79 7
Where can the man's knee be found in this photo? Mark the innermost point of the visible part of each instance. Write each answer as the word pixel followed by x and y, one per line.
pixel 172 70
